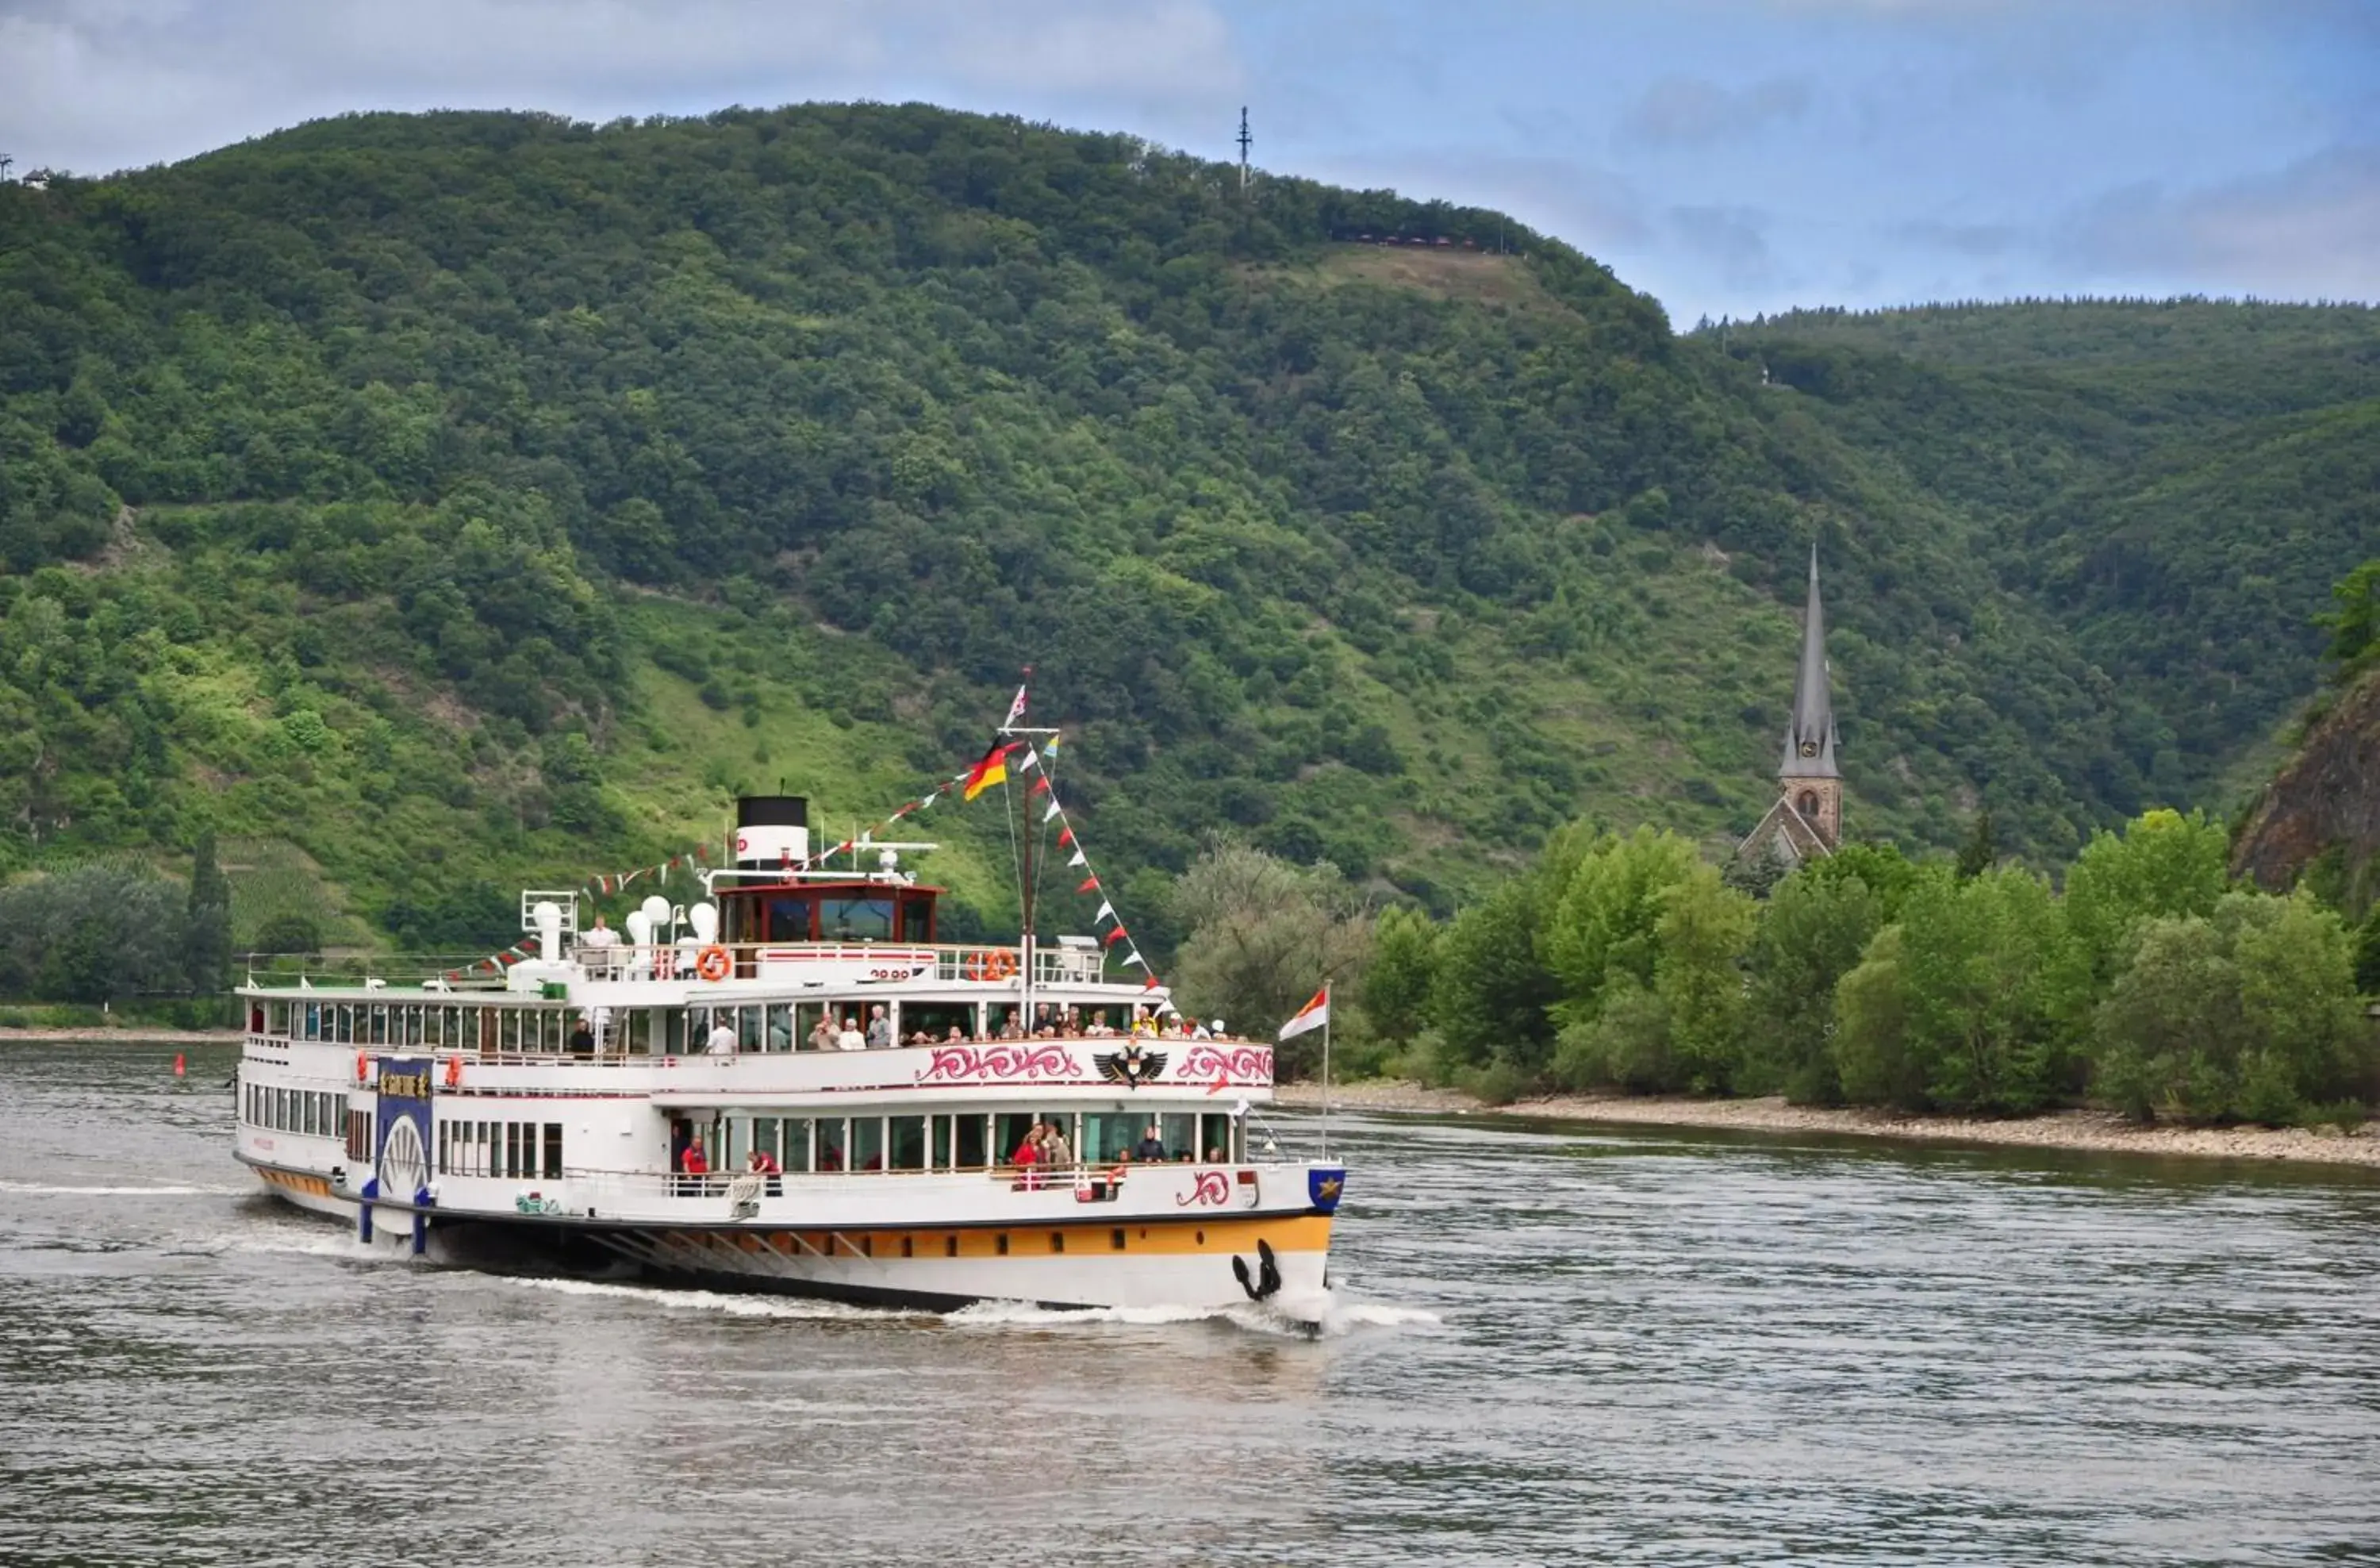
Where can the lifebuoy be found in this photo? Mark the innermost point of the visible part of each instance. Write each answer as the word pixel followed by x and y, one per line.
pixel 978 966
pixel 363 1066
pixel 453 1070
pixel 713 962
pixel 999 966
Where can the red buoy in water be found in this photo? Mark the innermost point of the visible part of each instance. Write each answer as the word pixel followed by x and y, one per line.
pixel 177 1064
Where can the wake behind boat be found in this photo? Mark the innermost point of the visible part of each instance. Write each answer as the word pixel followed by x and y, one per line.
pixel 792 1085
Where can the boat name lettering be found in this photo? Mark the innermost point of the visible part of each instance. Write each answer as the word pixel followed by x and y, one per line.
pixel 405 1086
pixel 959 1064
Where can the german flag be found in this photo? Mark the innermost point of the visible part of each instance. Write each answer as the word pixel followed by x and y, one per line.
pixel 993 770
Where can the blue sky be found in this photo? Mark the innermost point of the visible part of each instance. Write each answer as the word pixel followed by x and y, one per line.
pixel 1728 156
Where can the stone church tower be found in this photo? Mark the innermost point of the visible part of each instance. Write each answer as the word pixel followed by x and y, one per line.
pixel 1807 820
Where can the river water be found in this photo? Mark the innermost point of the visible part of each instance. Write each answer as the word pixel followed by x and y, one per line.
pixel 1553 1344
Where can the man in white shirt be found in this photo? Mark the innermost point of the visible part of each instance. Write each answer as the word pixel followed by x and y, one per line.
pixel 880 1029
pixel 723 1037
pixel 601 946
pixel 851 1038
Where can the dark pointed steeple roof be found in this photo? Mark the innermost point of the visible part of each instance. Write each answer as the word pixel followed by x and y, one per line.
pixel 1809 736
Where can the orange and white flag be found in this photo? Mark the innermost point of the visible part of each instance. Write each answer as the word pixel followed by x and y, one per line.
pixel 1313 1016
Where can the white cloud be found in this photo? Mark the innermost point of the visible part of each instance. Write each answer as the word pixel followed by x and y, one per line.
pixel 2309 230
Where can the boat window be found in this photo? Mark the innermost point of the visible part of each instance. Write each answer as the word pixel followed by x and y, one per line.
pixel 1179 1131
pixel 789 920
pixel 747 1028
pixel 906 1141
pixel 1215 1138
pixel 969 1155
pixel 553 1151
pixel 856 920
pixel 867 1143
pixel 833 1143
pixel 939 1158
pixel 1109 1135
pixel 793 1144
pixel 673 1033
pixel 778 1035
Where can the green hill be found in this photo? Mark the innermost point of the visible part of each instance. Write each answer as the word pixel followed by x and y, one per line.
pixel 429 503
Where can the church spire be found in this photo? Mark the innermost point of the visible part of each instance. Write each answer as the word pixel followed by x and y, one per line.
pixel 1810 735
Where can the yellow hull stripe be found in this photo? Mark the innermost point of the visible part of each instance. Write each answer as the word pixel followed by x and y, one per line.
pixel 1303 1233
pixel 313 1187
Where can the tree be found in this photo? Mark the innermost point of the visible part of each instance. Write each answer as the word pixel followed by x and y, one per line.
pixel 206 934
pixel 2163 864
pixel 2249 1014
pixel 2354 625
pixel 1813 931
pixel 1969 1006
pixel 1491 999
pixel 1982 850
pixel 1263 936
pixel 1395 989
pixel 1604 915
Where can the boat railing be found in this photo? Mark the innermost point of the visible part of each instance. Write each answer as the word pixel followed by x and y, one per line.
pixel 838 963
pixel 613 1056
pixel 579 1186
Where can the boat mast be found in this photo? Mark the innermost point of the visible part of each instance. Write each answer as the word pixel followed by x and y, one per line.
pixel 1028 875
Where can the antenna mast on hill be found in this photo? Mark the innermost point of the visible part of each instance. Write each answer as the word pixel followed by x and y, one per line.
pixel 1244 140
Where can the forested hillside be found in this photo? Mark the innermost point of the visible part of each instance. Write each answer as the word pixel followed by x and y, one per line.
pixel 422 502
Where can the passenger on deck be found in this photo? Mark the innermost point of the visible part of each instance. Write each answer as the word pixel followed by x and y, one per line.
pixel 1010 1029
pixel 880 1029
pixel 601 947
pixel 721 1040
pixel 1150 1148
pixel 1074 1025
pixel 764 1164
pixel 1055 1152
pixel 850 1038
pixel 697 1166
pixel 822 1033
pixel 956 1035
pixel 1027 1160
pixel 582 1037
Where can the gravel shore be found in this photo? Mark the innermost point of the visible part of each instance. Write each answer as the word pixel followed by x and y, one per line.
pixel 2095 1130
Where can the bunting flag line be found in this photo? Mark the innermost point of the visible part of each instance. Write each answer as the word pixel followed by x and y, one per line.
pixel 1040 785
pixel 1066 837
pixel 1030 760
pixel 1089 884
pixel 1016 709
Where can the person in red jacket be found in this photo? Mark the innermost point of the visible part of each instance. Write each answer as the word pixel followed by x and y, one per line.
pixel 697 1165
pixel 1027 1160
pixel 764 1165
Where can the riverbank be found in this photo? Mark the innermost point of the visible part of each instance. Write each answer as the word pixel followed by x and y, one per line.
pixel 2091 1130
pixel 125 1034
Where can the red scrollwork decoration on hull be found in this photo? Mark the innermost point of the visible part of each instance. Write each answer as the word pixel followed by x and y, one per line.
pixel 999 1063
pixel 1227 1064
pixel 1213 1190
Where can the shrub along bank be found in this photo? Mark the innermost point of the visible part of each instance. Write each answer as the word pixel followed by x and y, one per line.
pixel 2148 982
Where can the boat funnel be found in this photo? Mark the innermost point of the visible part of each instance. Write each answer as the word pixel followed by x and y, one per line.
pixel 771 830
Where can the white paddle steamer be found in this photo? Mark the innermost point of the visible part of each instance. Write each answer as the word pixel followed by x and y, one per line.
pixel 551 1114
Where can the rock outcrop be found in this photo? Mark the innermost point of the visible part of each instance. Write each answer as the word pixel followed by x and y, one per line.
pixel 2328 796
